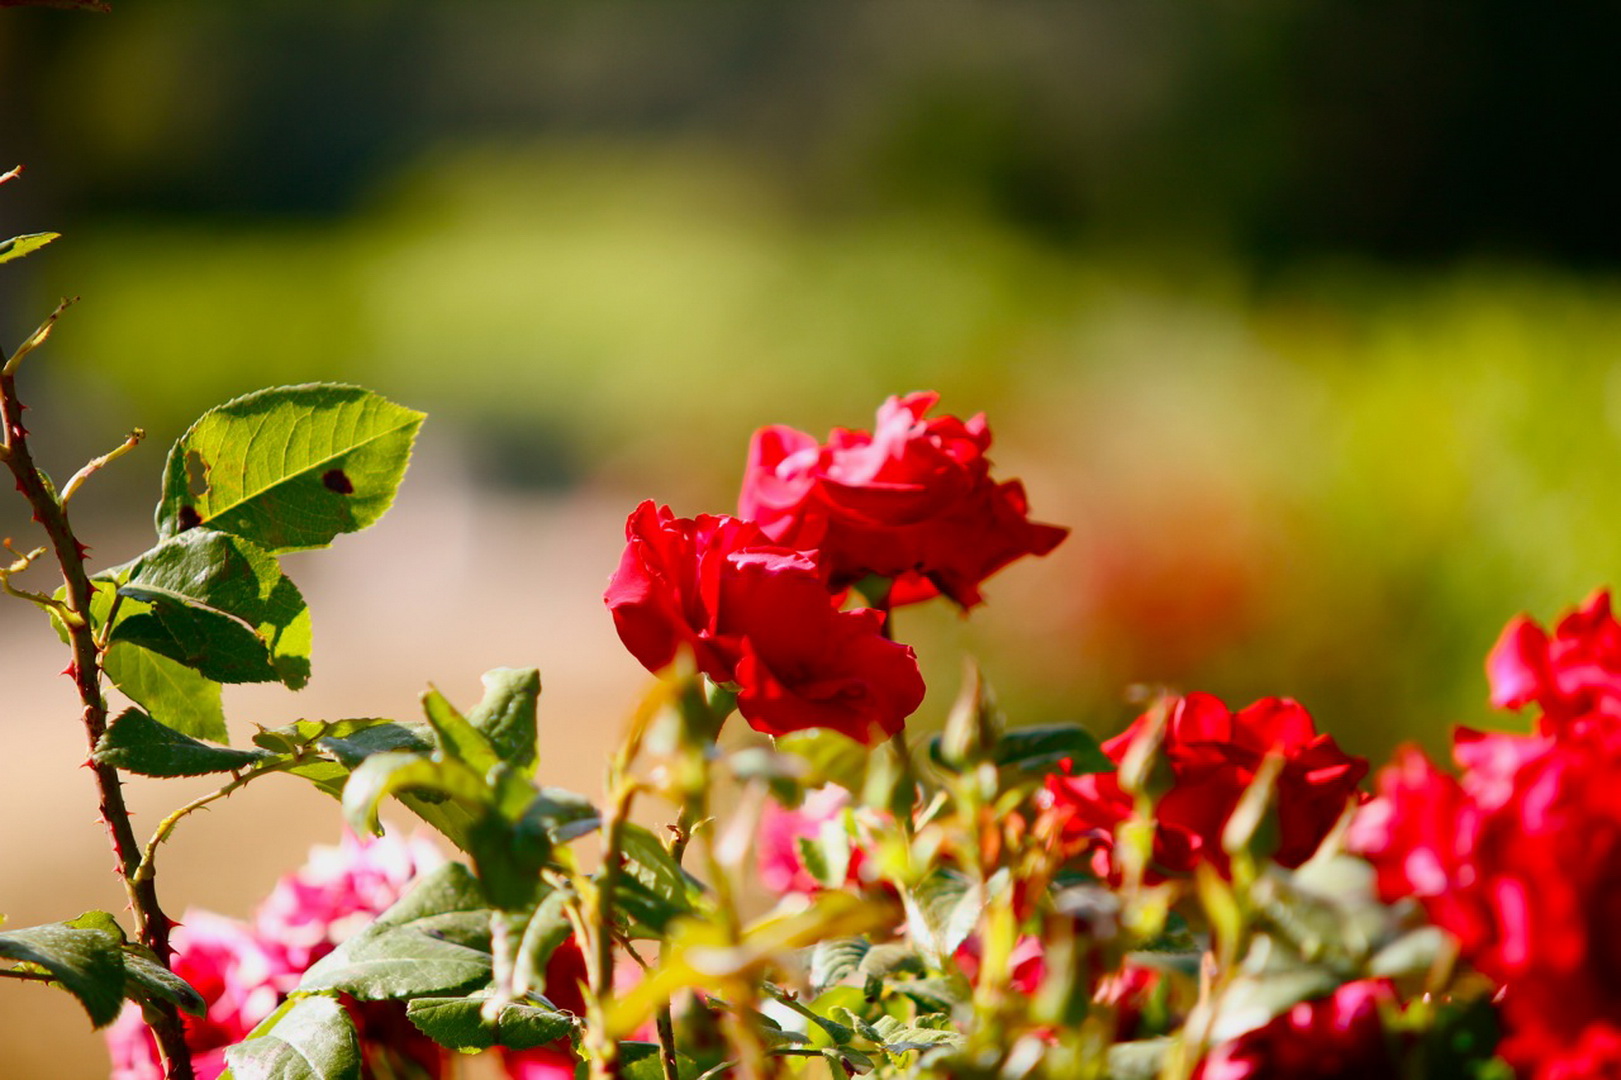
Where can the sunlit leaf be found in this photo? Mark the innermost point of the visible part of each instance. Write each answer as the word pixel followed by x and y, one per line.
pixel 307 1038
pixel 18 246
pixel 288 468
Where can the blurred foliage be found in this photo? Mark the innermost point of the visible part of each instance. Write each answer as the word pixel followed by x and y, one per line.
pixel 1175 251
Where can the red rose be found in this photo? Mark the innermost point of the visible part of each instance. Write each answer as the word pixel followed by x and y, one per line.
pixel 1213 754
pixel 1527 875
pixel 912 501
pixel 1339 1037
pixel 760 616
pixel 1574 676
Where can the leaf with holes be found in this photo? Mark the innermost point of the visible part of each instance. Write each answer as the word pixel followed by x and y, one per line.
pixel 220 605
pixel 307 1038
pixel 289 468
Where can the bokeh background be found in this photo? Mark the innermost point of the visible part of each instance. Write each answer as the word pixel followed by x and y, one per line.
pixel 1304 318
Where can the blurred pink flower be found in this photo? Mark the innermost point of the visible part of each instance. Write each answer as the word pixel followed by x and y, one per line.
pixel 244 970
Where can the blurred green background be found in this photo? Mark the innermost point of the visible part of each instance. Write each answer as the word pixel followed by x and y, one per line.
pixel 1305 318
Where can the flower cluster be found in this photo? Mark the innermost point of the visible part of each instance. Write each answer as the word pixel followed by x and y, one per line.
pixel 243 970
pixel 1519 857
pixel 755 600
pixel 1212 755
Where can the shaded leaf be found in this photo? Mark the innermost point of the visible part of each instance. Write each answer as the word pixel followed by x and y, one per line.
pixel 146 979
pixel 221 605
pixel 1040 749
pixel 139 744
pixel 307 1038
pixel 84 956
pixel 289 468
pixel 508 715
pixel 460 1024
pixel 434 940
pixel 651 864
pixel 832 962
pixel 941 911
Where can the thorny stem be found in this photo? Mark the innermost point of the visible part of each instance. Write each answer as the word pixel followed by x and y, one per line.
pixel 151 923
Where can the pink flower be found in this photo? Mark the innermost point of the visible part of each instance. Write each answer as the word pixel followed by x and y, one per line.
pixel 913 501
pixel 782 869
pixel 1340 1037
pixel 236 975
pixel 244 971
pixel 337 892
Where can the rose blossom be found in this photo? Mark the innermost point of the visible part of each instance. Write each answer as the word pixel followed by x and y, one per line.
pixel 912 501
pixel 1520 859
pixel 761 616
pixel 1574 674
pixel 233 971
pixel 1212 754
pixel 1339 1037
pixel 243 971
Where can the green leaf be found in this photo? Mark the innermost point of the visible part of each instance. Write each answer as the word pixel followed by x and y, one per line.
pixel 289 468
pixel 171 693
pixel 834 961
pixel 508 715
pixel 307 1038
pixel 460 1024
pixel 434 940
pixel 456 737
pixel 221 605
pixel 833 758
pixel 382 775
pixel 85 957
pixel 147 980
pixel 1040 749
pixel 305 733
pixel 647 913
pixel 137 743
pixel 18 246
pixel 640 1061
pixel 941 911
pixel 652 865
